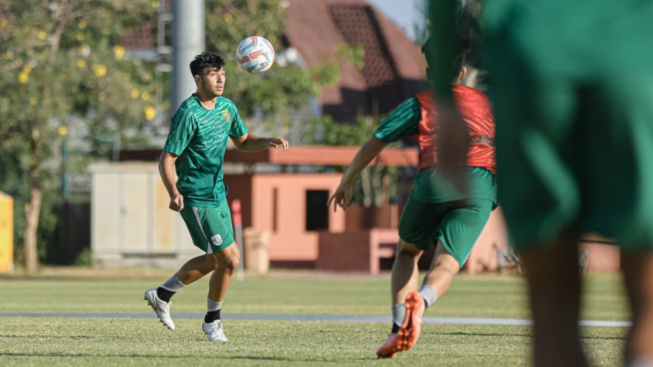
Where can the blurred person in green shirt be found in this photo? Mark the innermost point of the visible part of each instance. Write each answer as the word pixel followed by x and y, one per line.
pixel 572 89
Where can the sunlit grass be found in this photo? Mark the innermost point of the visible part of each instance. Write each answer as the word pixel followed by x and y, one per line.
pixel 118 341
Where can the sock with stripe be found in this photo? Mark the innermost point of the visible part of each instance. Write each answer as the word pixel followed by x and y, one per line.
pixel 212 310
pixel 169 288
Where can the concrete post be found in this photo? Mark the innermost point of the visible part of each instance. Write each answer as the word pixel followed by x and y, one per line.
pixel 187 42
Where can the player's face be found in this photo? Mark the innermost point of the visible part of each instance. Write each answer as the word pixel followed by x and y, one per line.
pixel 212 81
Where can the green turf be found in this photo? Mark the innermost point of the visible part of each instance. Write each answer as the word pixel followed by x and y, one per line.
pixel 106 341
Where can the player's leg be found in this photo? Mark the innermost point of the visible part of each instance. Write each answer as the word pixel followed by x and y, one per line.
pixel 460 227
pixel 440 275
pixel 535 101
pixel 621 201
pixel 192 270
pixel 417 229
pixel 638 278
pixel 436 282
pixel 462 223
pixel 225 256
pixel 554 286
pixel 405 275
pixel 227 260
pixel 404 279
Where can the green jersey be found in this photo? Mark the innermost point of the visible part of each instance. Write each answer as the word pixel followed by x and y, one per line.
pixel 199 138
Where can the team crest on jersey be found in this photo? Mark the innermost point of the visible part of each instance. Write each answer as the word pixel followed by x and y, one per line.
pixel 226 115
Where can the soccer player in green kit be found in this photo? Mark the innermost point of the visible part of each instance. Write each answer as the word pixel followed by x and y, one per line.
pixel 195 149
pixel 436 212
pixel 572 88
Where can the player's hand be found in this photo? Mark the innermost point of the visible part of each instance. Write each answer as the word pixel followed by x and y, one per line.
pixel 278 142
pixel 176 202
pixel 453 145
pixel 341 197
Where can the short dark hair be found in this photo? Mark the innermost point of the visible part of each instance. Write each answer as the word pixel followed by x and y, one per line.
pixel 204 60
pixel 460 58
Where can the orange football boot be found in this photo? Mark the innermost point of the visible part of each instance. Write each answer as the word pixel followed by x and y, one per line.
pixel 389 348
pixel 412 326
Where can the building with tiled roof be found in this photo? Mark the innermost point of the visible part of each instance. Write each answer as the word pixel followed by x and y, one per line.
pixel 394 68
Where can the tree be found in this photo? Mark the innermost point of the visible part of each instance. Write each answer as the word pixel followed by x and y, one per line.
pixel 282 89
pixel 62 60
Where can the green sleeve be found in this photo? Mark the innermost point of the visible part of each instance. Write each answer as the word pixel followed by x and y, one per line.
pixel 403 121
pixel 238 128
pixel 182 130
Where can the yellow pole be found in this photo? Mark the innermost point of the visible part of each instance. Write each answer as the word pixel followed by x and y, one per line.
pixel 6 233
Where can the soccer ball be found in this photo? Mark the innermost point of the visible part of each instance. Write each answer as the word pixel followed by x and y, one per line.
pixel 255 54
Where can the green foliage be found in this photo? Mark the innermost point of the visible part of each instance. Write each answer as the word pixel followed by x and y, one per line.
pixel 271 96
pixel 328 71
pixel 63 60
pixel 325 130
pixel 63 67
pixel 375 183
pixel 85 258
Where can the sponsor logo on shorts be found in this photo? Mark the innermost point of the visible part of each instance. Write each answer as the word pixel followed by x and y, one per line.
pixel 217 240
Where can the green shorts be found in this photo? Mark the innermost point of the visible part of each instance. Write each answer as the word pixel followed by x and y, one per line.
pixel 574 111
pixel 210 228
pixel 456 224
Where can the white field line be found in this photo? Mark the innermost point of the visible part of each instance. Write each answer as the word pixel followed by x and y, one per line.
pixel 299 317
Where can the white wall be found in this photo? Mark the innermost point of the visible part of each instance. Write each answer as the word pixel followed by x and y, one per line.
pixel 130 220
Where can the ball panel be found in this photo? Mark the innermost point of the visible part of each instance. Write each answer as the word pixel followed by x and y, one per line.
pixel 255 54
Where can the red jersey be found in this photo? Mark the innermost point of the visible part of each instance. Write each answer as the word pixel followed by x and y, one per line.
pixel 475 108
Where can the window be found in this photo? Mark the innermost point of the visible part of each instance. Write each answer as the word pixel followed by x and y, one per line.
pixel 317 212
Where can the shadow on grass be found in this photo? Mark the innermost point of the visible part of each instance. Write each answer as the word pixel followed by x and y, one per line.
pixel 31 336
pixel 149 356
pixel 529 336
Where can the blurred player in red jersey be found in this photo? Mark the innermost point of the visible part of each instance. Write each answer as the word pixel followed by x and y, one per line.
pixel 436 212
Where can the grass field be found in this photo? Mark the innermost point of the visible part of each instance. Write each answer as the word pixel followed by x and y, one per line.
pixel 40 341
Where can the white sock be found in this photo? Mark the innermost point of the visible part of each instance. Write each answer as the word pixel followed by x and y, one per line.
pixel 398 313
pixel 212 305
pixel 173 284
pixel 429 294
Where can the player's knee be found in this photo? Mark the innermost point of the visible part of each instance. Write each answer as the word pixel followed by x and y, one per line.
pixel 213 261
pixel 232 263
pixel 447 263
pixel 230 260
pixel 405 248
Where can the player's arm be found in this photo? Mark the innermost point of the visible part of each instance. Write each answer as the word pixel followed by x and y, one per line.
pixel 252 143
pixel 167 172
pixel 443 47
pixel 343 194
pixel 453 132
pixel 403 121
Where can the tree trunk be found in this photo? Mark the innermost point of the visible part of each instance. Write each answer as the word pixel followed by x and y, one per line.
pixel 32 212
